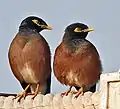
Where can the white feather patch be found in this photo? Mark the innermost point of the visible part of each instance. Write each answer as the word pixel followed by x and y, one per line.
pixel 72 78
pixel 28 74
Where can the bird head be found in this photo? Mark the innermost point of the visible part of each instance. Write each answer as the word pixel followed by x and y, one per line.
pixel 78 29
pixel 34 23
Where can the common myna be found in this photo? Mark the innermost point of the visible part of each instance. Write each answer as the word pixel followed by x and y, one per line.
pixel 76 60
pixel 29 57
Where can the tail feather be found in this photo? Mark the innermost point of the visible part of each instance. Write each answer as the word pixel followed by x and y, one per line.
pixel 92 89
pixel 48 85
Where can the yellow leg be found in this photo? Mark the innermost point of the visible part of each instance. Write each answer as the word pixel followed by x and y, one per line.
pixel 67 92
pixel 36 91
pixel 22 94
pixel 80 92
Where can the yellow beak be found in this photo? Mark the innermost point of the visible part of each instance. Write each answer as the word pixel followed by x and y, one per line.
pixel 89 30
pixel 85 30
pixel 48 27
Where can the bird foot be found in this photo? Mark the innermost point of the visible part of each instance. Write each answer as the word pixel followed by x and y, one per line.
pixel 74 92
pixel 19 96
pixel 34 95
pixel 67 92
pixel 22 94
pixel 36 91
pixel 80 92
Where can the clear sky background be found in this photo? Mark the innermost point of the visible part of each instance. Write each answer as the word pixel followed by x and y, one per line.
pixel 103 15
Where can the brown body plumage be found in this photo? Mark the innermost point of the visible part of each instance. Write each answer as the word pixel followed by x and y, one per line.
pixel 76 60
pixel 29 57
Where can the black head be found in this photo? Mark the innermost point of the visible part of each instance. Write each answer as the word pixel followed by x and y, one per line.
pixel 34 23
pixel 79 30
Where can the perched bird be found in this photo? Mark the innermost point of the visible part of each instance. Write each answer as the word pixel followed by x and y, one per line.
pixel 30 58
pixel 76 60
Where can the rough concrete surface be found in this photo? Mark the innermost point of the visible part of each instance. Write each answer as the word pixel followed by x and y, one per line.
pixel 88 101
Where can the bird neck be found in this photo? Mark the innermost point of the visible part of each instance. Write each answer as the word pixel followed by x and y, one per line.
pixel 27 29
pixel 72 38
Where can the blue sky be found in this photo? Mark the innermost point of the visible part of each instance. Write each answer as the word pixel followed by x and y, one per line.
pixel 103 15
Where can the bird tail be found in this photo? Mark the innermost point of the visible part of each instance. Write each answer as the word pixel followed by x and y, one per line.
pixel 92 89
pixel 48 85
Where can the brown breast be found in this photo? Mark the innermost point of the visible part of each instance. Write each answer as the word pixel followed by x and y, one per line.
pixel 77 67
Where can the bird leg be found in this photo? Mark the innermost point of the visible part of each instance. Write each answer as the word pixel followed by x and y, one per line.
pixel 36 91
pixel 22 94
pixel 68 91
pixel 80 92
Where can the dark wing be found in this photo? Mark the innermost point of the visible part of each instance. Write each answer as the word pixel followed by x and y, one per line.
pixel 33 52
pixel 15 57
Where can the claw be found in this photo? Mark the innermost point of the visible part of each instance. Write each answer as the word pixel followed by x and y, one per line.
pixel 74 92
pixel 80 92
pixel 19 96
pixel 36 91
pixel 22 94
pixel 67 92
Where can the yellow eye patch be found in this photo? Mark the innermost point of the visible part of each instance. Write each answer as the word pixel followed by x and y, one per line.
pixel 77 30
pixel 85 30
pixel 36 22
pixel 42 26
